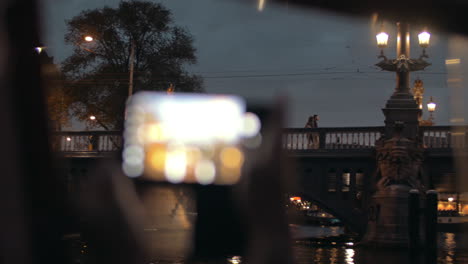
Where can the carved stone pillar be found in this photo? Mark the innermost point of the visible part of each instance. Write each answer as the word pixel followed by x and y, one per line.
pixel 399 162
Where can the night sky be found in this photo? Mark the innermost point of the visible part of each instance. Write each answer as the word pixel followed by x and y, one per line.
pixel 323 63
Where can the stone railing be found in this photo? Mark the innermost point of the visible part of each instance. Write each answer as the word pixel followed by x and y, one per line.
pixel 445 137
pixel 86 141
pixel 294 139
pixel 337 138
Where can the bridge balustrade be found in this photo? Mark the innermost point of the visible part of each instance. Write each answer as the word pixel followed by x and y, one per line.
pixel 294 139
pixel 445 137
pixel 336 138
pixel 86 141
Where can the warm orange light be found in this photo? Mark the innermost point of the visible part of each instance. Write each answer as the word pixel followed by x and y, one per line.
pixel 295 198
pixel 440 207
pixel 465 210
pixel 171 89
pixel 156 157
pixel 232 157
pixel 150 133
pixel 449 207
pixel 382 39
pixel 445 206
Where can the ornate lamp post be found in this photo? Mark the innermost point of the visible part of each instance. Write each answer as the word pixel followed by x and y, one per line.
pixel 401 107
pixel 399 152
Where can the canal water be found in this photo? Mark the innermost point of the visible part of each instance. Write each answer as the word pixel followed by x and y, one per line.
pixel 329 245
pixel 452 249
pixel 169 238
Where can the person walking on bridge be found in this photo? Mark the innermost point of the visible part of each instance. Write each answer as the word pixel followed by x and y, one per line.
pixel 312 138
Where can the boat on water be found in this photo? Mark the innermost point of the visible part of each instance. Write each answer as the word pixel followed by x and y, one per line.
pixel 321 218
pixel 305 212
pixel 452 212
pixel 450 221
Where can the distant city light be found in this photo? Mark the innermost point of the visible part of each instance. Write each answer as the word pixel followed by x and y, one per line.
pixel 452 61
pixel 235 260
pixel 295 198
pixel 457 120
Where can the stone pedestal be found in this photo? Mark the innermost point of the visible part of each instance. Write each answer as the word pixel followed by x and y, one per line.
pixel 388 218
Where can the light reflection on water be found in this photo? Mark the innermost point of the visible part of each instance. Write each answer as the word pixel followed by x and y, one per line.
pixel 450 245
pixel 452 249
pixel 349 256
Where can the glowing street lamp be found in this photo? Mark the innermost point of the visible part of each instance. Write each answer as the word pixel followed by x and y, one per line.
pixel 382 40
pixel 88 38
pixel 92 117
pixel 424 38
pixel 431 106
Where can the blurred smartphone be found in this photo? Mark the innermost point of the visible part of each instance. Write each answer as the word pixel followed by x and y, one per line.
pixel 187 138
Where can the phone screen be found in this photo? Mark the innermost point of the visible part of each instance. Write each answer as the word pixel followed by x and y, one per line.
pixel 189 138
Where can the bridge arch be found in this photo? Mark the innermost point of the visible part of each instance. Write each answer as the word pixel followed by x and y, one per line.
pixel 351 217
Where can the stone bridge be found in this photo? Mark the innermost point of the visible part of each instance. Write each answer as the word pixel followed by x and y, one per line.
pixel 335 166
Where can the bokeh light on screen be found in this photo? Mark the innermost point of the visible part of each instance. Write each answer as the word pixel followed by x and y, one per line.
pixel 251 125
pixel 191 138
pixel 205 171
pixel 175 164
pixel 231 157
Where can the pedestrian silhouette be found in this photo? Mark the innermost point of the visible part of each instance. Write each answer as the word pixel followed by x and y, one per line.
pixel 312 138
